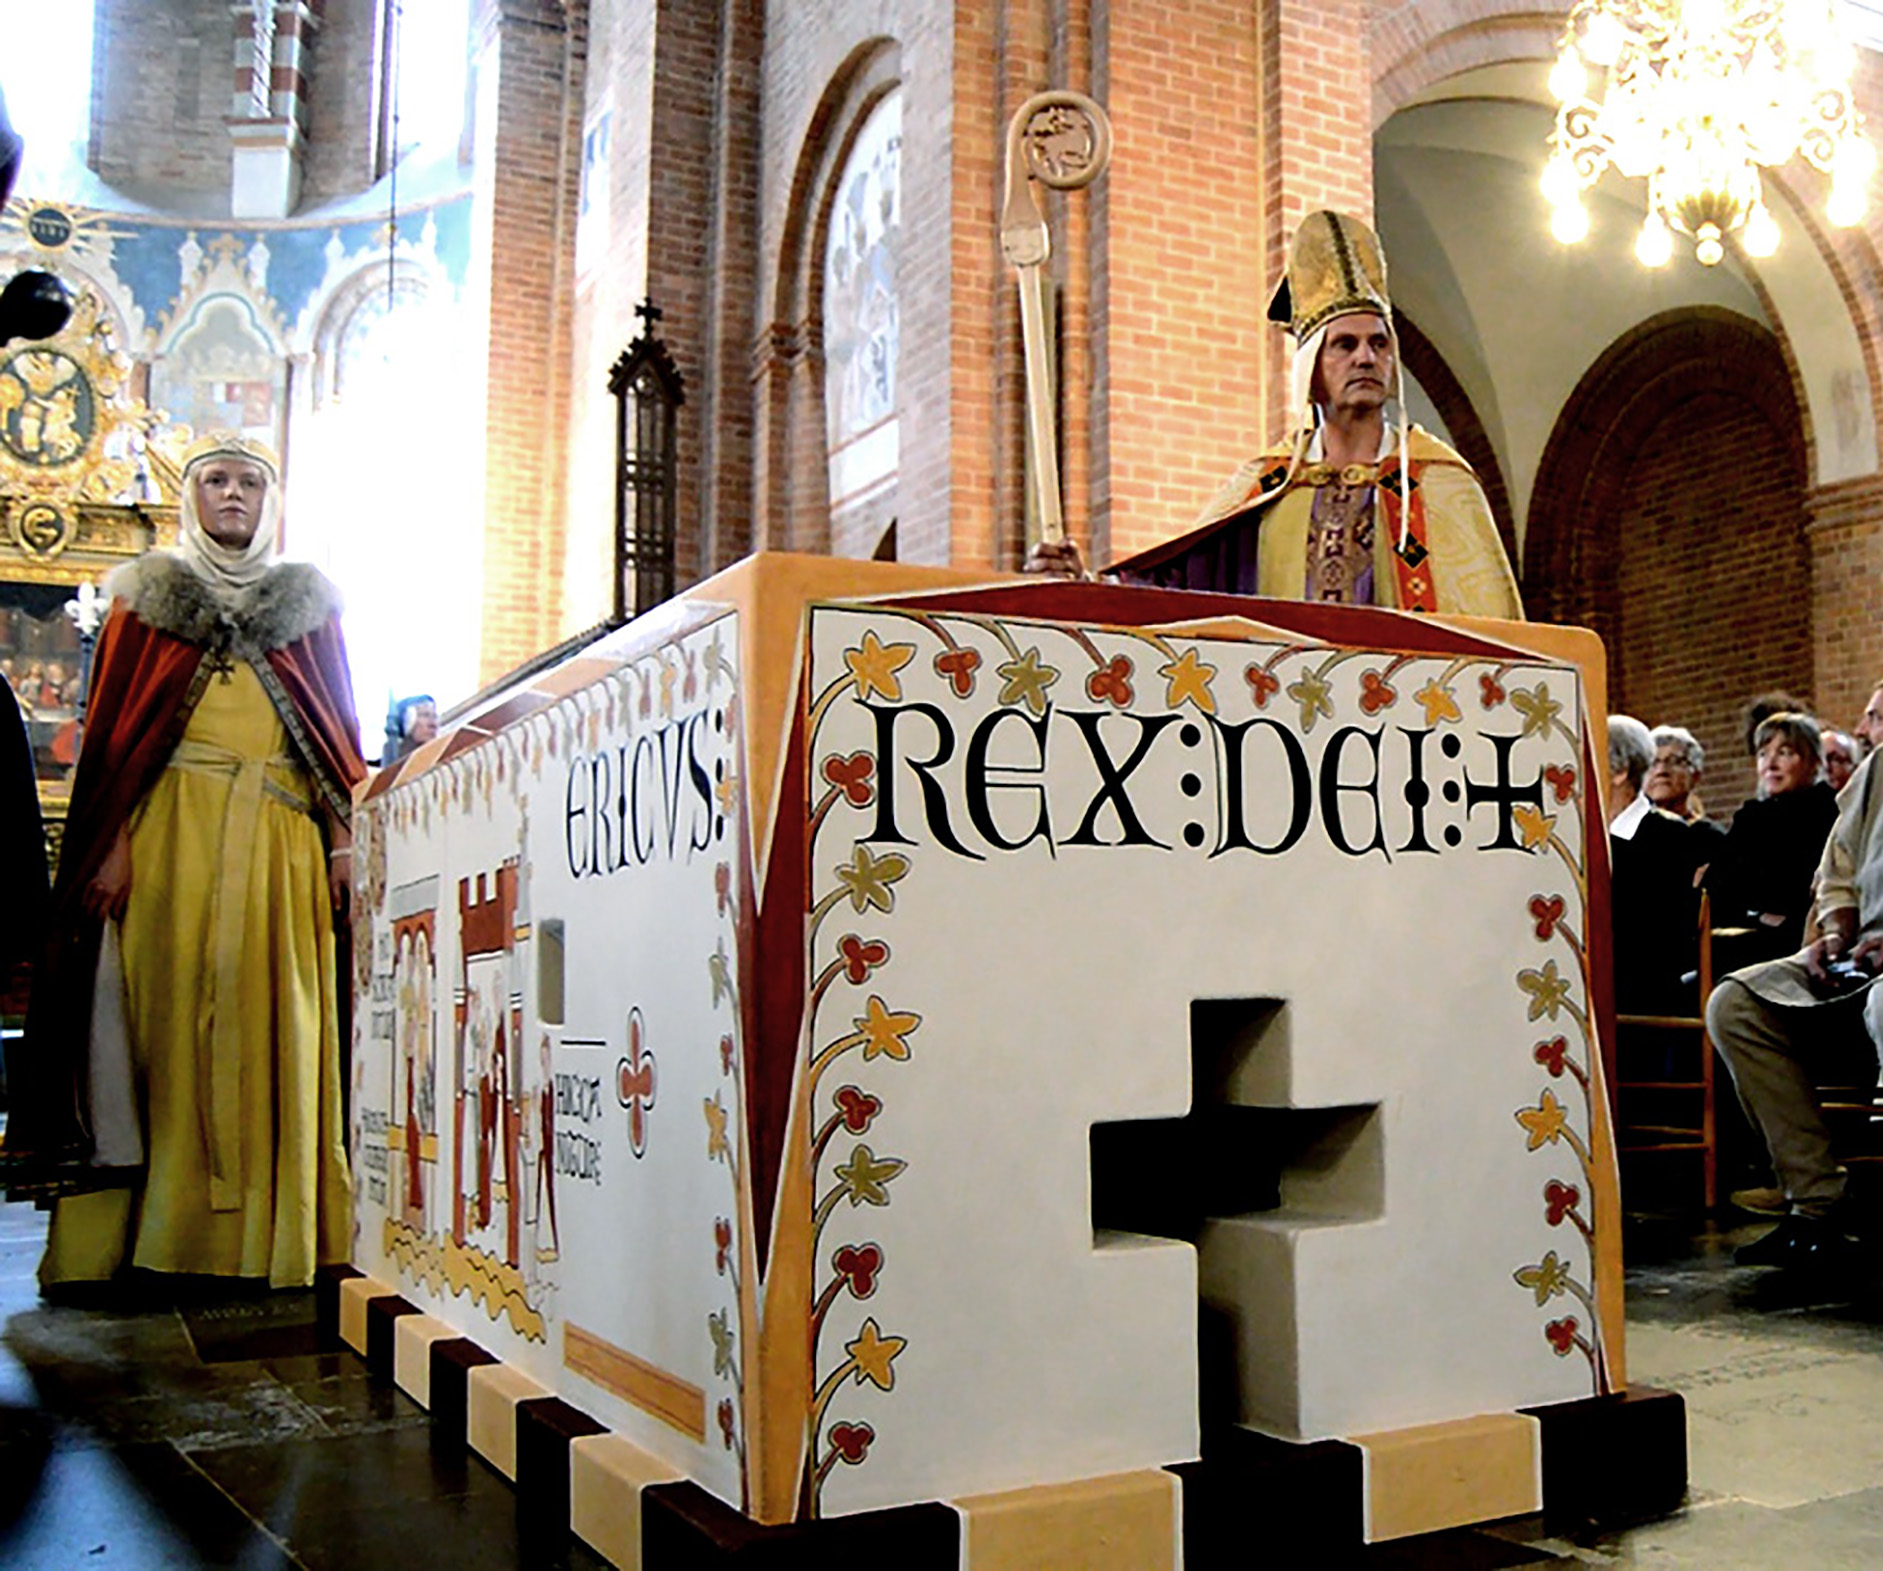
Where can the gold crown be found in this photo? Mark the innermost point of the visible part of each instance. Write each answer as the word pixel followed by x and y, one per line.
pixel 1334 267
pixel 232 444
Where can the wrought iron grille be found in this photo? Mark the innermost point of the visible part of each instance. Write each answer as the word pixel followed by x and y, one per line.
pixel 648 392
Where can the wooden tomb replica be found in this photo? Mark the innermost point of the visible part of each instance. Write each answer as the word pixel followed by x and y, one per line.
pixel 1004 1074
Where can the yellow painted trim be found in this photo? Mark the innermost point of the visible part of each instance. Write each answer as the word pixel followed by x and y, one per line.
pixel 1123 1522
pixel 1434 1476
pixel 1579 647
pixel 784 1362
pixel 672 1400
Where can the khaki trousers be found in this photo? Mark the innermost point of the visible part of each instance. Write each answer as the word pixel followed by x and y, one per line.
pixel 1776 1054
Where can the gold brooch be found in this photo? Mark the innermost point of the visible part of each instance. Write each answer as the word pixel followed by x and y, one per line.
pixel 1350 475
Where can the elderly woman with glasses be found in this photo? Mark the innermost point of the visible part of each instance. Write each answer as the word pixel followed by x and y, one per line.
pixel 1673 782
pixel 1673 785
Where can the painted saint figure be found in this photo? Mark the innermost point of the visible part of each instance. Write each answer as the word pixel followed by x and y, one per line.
pixel 183 1043
pixel 545 1186
pixel 1353 508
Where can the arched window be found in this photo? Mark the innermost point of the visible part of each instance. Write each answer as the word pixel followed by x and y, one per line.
pixel 386 485
pixel 50 103
pixel 861 333
pixel 372 340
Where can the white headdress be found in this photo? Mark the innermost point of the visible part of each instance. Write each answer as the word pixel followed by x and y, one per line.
pixel 228 570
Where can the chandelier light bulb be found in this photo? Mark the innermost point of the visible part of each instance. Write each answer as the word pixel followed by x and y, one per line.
pixel 1654 245
pixel 1761 236
pixel 1832 59
pixel 1847 204
pixel 1559 184
pixel 1568 81
pixel 1569 222
pixel 1603 38
pixel 1703 19
pixel 1700 97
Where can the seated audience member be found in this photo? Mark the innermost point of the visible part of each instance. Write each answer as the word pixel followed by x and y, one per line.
pixel 1869 725
pixel 1840 757
pixel 1758 710
pixel 1653 900
pixel 410 724
pixel 1760 877
pixel 1673 785
pixel 1782 1025
pixel 1673 782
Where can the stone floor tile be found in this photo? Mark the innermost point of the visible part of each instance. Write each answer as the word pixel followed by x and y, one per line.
pixel 132 1508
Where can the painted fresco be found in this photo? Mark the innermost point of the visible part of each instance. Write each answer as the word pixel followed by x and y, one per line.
pixel 1034 848
pixel 547 1115
pixel 220 311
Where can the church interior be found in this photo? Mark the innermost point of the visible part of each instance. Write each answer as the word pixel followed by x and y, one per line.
pixel 555 311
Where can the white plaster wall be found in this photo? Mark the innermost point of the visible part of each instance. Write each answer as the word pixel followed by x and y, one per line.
pixel 1520 318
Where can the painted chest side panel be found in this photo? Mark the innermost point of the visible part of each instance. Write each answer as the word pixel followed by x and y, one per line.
pixel 1035 849
pixel 547 1131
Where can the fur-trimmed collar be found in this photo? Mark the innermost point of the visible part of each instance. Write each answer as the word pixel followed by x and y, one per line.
pixel 291 600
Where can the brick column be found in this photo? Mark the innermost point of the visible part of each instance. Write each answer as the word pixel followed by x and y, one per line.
pixel 699 227
pixel 268 109
pixel 1233 119
pixel 1844 537
pixel 1181 231
pixel 529 66
pixel 1317 123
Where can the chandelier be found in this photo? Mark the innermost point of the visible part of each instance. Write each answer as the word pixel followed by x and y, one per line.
pixel 1700 95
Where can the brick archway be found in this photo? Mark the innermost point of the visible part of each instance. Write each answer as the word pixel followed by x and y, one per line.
pixel 792 490
pixel 1669 514
pixel 1414 47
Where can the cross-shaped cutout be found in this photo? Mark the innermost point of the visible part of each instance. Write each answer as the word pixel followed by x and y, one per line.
pixel 1235 1177
pixel 218 663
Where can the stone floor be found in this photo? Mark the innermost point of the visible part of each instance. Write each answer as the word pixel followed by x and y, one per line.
pixel 159 1432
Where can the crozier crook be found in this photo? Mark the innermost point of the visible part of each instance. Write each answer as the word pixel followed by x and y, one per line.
pixel 1062 139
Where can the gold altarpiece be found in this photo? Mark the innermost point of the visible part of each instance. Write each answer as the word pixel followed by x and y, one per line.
pixel 88 479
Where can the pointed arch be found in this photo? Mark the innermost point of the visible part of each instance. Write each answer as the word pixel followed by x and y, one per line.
pixel 1669 514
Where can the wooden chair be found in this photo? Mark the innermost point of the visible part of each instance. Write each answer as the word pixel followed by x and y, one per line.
pixel 1664 1079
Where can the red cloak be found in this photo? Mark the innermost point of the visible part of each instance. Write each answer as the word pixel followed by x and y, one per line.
pixel 145 683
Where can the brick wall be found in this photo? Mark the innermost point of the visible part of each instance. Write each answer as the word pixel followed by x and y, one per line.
pixel 161 88
pixel 824 65
pixel 1845 539
pixel 165 78
pixel 346 87
pixel 531 63
pixel 1235 117
pixel 726 219
pixel 1713 578
pixel 1669 514
pixel 611 282
pixel 1181 225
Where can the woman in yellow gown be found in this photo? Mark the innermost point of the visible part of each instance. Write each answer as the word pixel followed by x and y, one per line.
pixel 211 858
